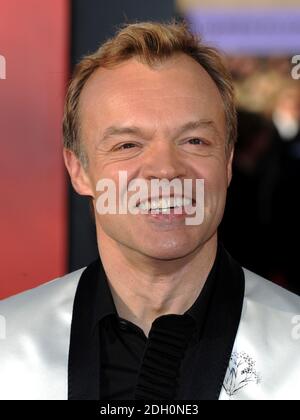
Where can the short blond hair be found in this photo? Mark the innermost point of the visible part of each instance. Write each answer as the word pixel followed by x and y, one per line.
pixel 151 43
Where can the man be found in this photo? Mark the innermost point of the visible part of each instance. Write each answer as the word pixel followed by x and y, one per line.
pixel 165 313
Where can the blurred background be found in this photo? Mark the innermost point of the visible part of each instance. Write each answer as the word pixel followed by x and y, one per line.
pixel 46 229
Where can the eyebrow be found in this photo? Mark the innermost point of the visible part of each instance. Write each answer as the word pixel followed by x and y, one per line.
pixel 115 130
pixel 193 125
pixel 119 130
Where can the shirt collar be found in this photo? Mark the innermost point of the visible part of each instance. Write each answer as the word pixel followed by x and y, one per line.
pixel 199 308
pixel 102 299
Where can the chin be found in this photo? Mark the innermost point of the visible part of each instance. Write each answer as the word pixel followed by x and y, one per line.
pixel 166 256
pixel 169 251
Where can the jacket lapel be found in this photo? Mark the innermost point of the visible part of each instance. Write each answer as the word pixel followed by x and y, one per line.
pixel 212 353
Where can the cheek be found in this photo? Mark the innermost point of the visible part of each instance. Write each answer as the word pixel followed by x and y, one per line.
pixel 114 182
pixel 215 186
pixel 214 173
pixel 100 170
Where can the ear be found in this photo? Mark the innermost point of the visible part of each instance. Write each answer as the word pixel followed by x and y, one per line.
pixel 79 177
pixel 229 166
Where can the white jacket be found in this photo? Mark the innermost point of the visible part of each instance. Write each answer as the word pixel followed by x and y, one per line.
pixel 35 336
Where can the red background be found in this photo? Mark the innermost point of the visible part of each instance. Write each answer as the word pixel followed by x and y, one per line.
pixel 33 40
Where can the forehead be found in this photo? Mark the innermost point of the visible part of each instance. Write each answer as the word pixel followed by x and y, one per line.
pixel 177 86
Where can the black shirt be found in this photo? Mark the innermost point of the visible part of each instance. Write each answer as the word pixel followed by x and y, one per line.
pixel 112 359
pixel 134 367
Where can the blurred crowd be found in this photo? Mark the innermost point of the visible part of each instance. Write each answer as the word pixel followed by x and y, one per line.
pixel 261 226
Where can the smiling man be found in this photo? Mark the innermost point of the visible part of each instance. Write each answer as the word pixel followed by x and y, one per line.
pixel 165 312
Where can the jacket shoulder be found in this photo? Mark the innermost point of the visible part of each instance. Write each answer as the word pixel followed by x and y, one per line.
pixel 50 294
pixel 270 295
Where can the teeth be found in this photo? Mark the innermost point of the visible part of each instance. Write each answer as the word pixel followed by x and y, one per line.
pixel 182 202
pixel 164 204
pixel 145 206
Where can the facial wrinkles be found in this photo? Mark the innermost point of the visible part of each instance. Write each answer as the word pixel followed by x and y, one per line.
pixel 153 115
pixel 116 95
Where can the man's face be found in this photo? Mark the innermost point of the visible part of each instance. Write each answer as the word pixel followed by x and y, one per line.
pixel 162 123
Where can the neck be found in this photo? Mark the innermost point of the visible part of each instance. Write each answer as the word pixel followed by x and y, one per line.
pixel 151 287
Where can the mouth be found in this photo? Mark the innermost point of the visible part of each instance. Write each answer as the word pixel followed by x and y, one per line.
pixel 165 205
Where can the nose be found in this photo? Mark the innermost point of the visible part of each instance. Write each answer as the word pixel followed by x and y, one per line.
pixel 162 160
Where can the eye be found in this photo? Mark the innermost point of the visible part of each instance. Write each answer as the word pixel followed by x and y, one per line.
pixel 125 146
pixel 195 141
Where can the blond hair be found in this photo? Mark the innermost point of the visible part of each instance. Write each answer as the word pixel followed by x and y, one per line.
pixel 151 43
